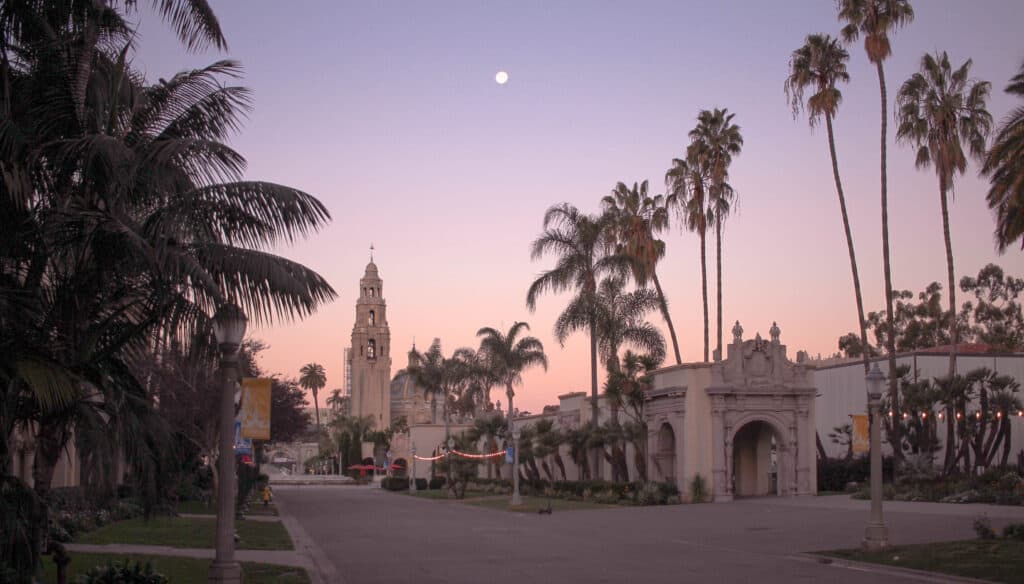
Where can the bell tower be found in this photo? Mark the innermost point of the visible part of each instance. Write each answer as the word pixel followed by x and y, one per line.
pixel 371 352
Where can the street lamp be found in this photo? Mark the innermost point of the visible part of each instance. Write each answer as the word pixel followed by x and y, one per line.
pixel 516 499
pixel 876 536
pixel 229 328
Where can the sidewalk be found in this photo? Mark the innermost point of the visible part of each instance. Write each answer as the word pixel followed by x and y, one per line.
pixel 281 557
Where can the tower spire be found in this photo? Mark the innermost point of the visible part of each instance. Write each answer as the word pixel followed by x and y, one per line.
pixel 371 251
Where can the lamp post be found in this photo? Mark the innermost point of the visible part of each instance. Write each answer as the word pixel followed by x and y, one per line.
pixel 412 479
pixel 229 328
pixel 876 536
pixel 516 499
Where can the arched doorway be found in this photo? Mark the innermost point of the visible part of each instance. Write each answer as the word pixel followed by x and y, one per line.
pixel 755 460
pixel 665 455
pixel 399 467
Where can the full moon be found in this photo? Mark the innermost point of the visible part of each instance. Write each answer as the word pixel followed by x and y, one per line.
pixel 501 78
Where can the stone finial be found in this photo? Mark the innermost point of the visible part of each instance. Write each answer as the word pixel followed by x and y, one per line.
pixel 775 332
pixel 737 333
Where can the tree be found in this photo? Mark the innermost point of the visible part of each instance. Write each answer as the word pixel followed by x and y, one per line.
pixel 580 244
pixel 842 435
pixel 288 416
pixel 687 182
pixel 875 20
pixel 627 388
pixel 941 110
pixel 818 66
pixel 1005 167
pixel 578 440
pixel 489 428
pixel 427 371
pixel 508 355
pixel 719 141
pixel 996 318
pixel 312 377
pixel 636 218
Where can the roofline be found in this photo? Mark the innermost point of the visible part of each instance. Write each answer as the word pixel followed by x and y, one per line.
pixel 919 353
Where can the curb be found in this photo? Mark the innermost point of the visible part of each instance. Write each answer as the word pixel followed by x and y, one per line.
pixel 911 573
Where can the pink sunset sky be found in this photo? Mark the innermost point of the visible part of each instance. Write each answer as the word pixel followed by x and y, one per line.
pixel 389 113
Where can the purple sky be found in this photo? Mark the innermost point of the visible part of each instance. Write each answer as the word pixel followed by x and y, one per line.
pixel 389 113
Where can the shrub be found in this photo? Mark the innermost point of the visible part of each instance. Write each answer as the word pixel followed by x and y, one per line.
pixel 394 483
pixel 1014 531
pixel 606 497
pixel 698 489
pixel 123 573
pixel 436 483
pixel 651 494
pixel 421 484
pixel 983 527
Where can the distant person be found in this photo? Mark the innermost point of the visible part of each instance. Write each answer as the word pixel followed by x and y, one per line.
pixel 268 495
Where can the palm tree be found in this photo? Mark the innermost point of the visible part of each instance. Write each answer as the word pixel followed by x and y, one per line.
pixel 578 439
pixel 875 20
pixel 719 141
pixel 488 428
pixel 940 111
pixel 508 355
pixel 620 321
pixel 580 243
pixel 427 371
pixel 636 217
pixel 687 182
pixel 1005 166
pixel 819 65
pixel 312 377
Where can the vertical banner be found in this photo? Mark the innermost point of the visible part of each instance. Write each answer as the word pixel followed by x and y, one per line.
pixel 861 436
pixel 255 414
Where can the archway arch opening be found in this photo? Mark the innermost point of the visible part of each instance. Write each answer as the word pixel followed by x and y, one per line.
pixel 665 453
pixel 756 458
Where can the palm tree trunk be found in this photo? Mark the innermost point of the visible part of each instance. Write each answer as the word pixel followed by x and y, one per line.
pixel 593 393
pixel 316 408
pixel 896 435
pixel 948 462
pixel 704 286
pixel 718 285
pixel 50 440
pixel 849 243
pixel 954 333
pixel 668 319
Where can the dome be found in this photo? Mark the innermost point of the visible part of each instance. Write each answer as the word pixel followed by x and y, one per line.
pixel 371 269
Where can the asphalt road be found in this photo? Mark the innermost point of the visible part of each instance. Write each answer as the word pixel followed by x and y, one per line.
pixel 360 535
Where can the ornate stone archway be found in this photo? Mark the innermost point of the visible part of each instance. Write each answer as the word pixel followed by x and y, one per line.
pixel 757 383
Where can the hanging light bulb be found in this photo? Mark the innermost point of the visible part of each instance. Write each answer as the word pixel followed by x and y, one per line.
pixel 890 413
pixel 942 416
pixel 958 415
pixel 924 415
pixel 999 414
pixel 978 415
pixel 905 415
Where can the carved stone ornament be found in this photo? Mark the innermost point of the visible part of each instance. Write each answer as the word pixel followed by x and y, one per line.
pixel 774 332
pixel 737 333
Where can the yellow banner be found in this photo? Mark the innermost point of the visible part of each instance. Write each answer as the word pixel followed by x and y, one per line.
pixel 861 436
pixel 255 414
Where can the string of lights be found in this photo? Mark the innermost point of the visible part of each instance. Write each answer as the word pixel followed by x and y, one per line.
pixel 942 415
pixel 469 455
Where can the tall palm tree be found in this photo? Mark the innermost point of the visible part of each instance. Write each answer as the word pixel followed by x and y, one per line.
pixel 508 355
pixel 941 111
pixel 489 428
pixel 636 218
pixel 312 377
pixel 719 141
pixel 582 248
pixel 687 182
pixel 621 321
pixel 427 371
pixel 818 66
pixel 875 20
pixel 1005 167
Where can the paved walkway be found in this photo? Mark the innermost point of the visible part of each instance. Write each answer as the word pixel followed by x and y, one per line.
pixel 362 535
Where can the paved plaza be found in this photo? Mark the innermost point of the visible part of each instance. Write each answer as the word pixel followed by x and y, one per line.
pixel 360 535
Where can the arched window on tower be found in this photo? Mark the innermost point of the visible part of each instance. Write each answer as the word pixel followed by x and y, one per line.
pixel 373 318
pixel 371 292
pixel 371 349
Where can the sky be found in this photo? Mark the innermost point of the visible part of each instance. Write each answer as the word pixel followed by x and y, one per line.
pixel 389 113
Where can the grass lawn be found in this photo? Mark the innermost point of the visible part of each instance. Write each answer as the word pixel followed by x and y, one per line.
pixel 443 494
pixel 189 532
pixel 196 508
pixel 998 560
pixel 532 504
pixel 178 570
